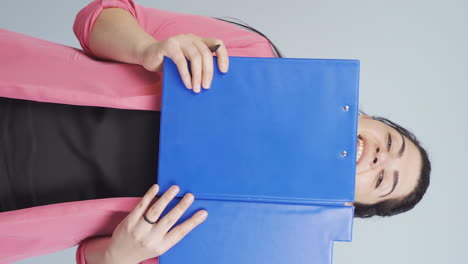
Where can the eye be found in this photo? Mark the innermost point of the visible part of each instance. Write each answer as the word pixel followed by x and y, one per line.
pixel 389 142
pixel 380 179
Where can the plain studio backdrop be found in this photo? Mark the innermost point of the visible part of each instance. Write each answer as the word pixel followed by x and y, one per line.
pixel 414 70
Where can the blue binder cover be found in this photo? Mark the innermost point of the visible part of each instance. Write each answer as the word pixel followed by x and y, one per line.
pixel 272 142
pixel 257 233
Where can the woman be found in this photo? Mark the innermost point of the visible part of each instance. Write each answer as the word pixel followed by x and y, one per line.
pixel 392 170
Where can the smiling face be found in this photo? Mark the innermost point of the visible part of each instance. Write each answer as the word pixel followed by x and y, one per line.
pixel 389 164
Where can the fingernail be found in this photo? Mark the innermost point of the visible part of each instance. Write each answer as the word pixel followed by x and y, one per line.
pixel 206 85
pixel 202 215
pixel 215 48
pixel 224 68
pixel 175 188
pixel 189 197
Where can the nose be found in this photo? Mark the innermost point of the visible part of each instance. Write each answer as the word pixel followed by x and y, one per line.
pixel 380 157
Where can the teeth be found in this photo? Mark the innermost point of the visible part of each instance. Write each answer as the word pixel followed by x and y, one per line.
pixel 360 149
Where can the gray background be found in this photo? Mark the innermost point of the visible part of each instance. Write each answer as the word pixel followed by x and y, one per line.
pixel 413 70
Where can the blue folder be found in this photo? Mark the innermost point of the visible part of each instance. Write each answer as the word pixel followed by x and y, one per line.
pixel 269 151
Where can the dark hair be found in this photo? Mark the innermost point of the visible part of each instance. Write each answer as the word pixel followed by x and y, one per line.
pixel 399 205
pixel 388 207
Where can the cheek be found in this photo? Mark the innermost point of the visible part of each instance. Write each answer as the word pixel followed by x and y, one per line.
pixel 365 188
pixel 364 183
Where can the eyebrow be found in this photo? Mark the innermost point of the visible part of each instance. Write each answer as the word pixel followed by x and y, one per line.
pixel 396 177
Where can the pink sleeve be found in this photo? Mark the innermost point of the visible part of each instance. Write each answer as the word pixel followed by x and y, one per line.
pixel 45 229
pixel 50 228
pixel 164 24
pixel 43 71
pixel 80 253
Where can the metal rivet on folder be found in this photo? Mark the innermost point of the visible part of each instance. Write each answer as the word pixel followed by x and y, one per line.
pixel 346 108
pixel 344 153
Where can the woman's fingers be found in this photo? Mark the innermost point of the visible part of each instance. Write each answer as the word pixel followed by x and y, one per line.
pixel 196 61
pixel 199 51
pixel 172 49
pixel 173 216
pixel 207 66
pixel 135 240
pixel 140 209
pixel 158 207
pixel 223 59
pixel 221 53
pixel 180 231
pixel 182 67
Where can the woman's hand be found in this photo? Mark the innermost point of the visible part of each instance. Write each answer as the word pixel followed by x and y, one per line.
pixel 135 240
pixel 198 50
pixel 117 35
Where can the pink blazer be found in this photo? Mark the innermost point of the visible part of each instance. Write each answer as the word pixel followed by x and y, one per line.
pixel 43 71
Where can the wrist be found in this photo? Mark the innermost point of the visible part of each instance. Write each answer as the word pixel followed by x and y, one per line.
pixel 109 257
pixel 115 256
pixel 142 48
pixel 98 251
